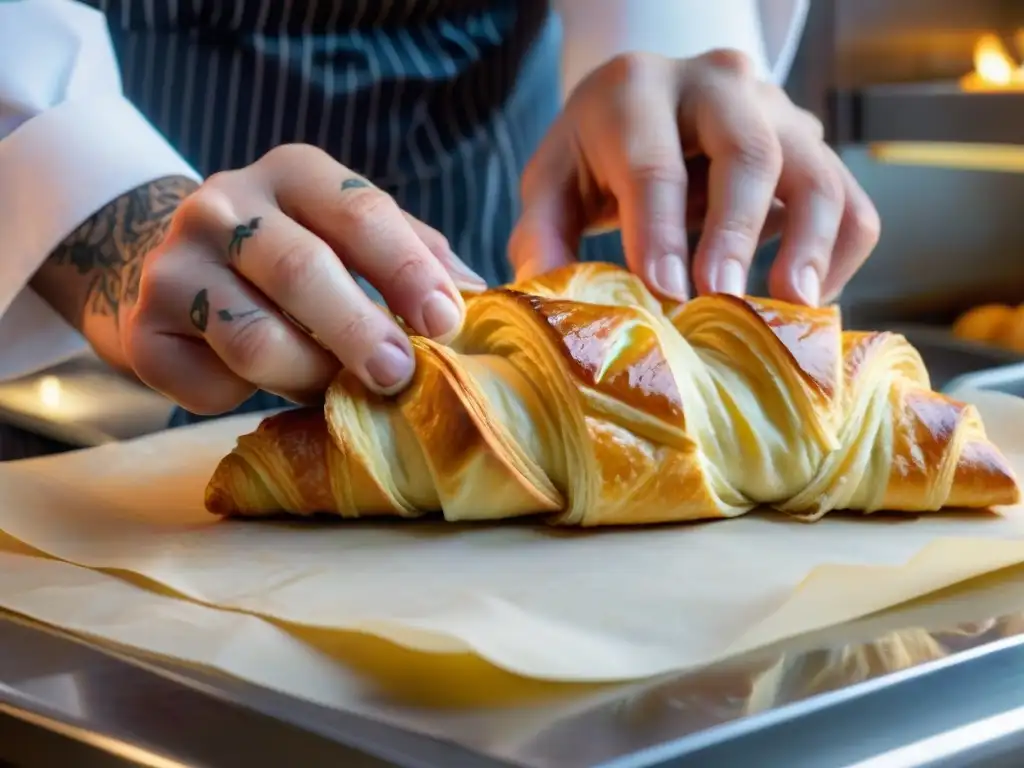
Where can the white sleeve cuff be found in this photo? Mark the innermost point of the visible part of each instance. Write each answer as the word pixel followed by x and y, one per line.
pixel 782 22
pixel 33 337
pixel 597 30
pixel 63 165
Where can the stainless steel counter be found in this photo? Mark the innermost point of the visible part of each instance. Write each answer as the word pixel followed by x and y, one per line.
pixel 900 697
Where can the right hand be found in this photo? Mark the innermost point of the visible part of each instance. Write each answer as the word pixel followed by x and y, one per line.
pixel 253 286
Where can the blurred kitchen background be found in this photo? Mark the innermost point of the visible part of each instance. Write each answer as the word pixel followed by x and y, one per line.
pixel 953 224
pixel 924 100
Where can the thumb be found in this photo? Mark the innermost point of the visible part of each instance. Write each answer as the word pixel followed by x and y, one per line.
pixel 547 235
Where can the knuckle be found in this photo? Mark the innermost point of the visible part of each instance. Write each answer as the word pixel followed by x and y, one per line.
pixel 757 150
pixel 249 350
pixel 193 207
pixel 657 166
pixel 369 210
pixel 360 326
pixel 218 181
pixel 866 223
pixel 160 280
pixel 294 268
pixel 411 272
pixel 290 155
pixel 632 66
pixel 158 268
pixel 827 184
pixel 741 231
pixel 201 211
pixel 729 61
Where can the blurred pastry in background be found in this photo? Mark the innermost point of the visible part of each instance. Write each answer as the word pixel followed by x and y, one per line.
pixel 996 324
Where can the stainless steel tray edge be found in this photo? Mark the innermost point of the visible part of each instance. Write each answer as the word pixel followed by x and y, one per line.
pixel 976 693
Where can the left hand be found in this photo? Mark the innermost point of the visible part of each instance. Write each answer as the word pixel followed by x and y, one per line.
pixel 654 144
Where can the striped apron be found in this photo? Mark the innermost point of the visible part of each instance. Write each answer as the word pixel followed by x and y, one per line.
pixel 438 102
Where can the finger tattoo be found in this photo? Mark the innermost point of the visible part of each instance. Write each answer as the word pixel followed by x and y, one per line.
pixel 355 183
pixel 199 314
pixel 227 315
pixel 242 233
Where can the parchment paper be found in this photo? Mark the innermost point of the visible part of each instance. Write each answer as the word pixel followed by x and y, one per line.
pixel 554 605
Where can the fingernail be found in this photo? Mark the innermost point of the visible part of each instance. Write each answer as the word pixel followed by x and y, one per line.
pixel 464 276
pixel 440 315
pixel 389 365
pixel 670 276
pixel 731 278
pixel 808 286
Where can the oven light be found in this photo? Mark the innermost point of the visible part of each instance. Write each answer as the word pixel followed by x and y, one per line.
pixel 994 68
pixel 999 158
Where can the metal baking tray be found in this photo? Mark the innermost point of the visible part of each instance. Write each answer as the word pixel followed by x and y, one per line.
pixel 949 359
pixel 64 701
pixel 1008 379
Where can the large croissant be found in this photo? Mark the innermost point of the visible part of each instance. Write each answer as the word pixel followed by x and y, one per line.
pixel 580 396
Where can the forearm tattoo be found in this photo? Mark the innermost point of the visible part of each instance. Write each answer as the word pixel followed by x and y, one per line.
pixel 108 249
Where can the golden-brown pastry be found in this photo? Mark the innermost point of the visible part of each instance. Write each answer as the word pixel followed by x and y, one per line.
pixel 580 396
pixel 996 324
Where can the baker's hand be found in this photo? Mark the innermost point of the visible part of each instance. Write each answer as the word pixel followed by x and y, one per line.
pixel 257 268
pixel 655 144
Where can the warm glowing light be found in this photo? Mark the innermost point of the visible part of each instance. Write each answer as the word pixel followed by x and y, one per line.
pixel 994 67
pixel 998 158
pixel 992 62
pixel 50 392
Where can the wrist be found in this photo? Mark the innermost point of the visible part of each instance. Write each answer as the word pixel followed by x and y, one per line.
pixel 94 273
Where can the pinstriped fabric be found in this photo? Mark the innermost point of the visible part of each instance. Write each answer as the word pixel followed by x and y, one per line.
pixel 439 102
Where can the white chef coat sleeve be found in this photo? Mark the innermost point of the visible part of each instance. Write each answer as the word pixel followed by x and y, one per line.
pixel 70 142
pixel 768 31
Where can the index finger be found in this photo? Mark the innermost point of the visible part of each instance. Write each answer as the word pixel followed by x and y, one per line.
pixel 746 161
pixel 370 233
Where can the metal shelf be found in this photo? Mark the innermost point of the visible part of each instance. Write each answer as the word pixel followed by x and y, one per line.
pixel 925 112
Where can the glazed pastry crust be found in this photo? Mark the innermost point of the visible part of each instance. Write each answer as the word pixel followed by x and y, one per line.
pixel 580 397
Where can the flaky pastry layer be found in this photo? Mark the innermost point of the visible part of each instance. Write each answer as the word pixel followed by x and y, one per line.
pixel 580 397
